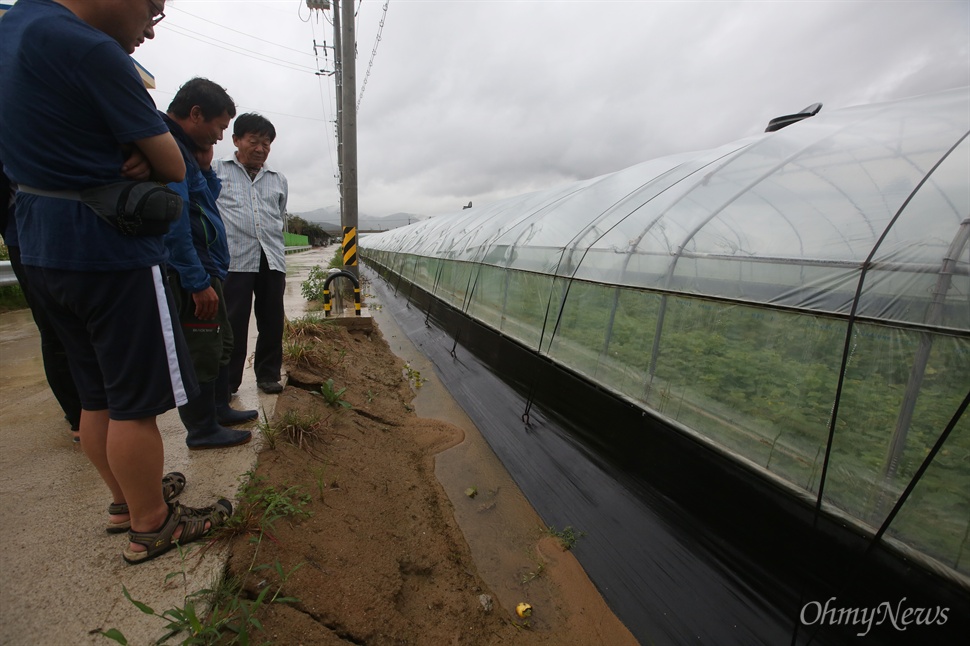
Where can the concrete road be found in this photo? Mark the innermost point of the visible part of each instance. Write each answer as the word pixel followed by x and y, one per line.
pixel 61 575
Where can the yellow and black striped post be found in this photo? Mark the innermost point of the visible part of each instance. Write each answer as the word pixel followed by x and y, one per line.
pixel 326 291
pixel 350 246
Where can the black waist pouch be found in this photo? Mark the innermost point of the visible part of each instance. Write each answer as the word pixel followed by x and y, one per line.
pixel 135 208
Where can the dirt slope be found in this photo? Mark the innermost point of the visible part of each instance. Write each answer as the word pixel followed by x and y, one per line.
pixel 380 558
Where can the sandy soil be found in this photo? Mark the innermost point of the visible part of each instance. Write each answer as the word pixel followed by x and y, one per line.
pixel 381 557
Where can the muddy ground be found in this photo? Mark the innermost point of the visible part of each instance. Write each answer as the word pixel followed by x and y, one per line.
pixel 379 556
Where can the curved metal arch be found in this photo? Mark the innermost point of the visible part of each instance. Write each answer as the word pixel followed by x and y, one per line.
pixel 932 317
pixel 673 265
pixel 850 324
pixel 572 244
pixel 634 243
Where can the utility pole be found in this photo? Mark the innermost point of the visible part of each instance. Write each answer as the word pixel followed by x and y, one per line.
pixel 347 94
pixel 338 81
pixel 345 69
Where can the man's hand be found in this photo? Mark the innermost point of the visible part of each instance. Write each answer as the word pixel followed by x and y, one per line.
pixel 204 157
pixel 164 156
pixel 136 167
pixel 206 304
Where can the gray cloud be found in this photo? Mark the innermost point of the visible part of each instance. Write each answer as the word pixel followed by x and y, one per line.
pixel 483 100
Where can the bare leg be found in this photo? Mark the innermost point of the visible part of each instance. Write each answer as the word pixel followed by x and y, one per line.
pixel 94 436
pixel 136 456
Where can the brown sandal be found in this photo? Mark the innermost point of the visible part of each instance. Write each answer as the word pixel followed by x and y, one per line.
pixel 191 519
pixel 172 485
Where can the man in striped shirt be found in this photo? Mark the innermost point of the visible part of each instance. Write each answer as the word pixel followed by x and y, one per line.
pixel 253 204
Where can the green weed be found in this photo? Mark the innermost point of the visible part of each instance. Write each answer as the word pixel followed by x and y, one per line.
pixel 297 352
pixel 535 574
pixel 262 506
pixel 413 376
pixel 312 287
pixel 567 537
pixel 11 296
pixel 232 616
pixel 319 476
pixel 307 325
pixel 300 430
pixel 231 620
pixel 332 396
pixel 268 432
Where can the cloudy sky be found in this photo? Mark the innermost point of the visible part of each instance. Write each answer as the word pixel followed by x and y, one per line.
pixel 484 99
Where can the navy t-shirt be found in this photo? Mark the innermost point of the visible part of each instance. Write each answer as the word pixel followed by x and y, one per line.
pixel 69 98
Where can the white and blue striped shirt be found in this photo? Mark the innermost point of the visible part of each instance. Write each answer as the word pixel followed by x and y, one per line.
pixel 252 211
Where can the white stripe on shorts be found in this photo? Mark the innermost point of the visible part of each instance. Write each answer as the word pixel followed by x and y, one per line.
pixel 168 333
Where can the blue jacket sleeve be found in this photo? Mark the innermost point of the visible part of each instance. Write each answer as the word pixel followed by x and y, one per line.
pixel 181 251
pixel 214 183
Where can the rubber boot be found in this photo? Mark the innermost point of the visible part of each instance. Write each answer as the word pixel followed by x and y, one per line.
pixel 226 414
pixel 199 418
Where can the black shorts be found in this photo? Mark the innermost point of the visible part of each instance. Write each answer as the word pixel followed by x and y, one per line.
pixel 123 343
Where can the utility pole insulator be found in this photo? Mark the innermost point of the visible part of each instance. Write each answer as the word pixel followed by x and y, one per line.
pixel 324 47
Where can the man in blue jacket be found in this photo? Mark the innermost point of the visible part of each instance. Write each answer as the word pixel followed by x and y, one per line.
pixel 198 263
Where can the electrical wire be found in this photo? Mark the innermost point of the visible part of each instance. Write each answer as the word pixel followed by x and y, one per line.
pixel 237 49
pixel 271 60
pixel 324 104
pixel 299 13
pixel 356 25
pixel 242 33
pixel 252 108
pixel 373 54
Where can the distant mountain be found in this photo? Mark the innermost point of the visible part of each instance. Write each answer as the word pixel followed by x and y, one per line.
pixel 329 218
pixel 329 214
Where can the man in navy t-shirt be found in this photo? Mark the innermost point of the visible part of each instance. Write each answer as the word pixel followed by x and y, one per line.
pixel 74 114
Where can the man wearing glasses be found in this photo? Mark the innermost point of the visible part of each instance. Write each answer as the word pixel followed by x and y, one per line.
pixel 74 114
pixel 157 14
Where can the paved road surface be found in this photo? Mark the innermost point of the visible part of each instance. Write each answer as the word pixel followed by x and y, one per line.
pixel 61 575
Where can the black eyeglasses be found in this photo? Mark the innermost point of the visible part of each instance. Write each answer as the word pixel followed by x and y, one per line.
pixel 157 14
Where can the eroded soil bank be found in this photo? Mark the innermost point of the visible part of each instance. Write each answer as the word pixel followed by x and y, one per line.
pixel 381 558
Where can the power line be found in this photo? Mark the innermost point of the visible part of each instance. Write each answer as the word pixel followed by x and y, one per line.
pixel 248 108
pixel 236 49
pixel 324 105
pixel 377 41
pixel 299 13
pixel 212 22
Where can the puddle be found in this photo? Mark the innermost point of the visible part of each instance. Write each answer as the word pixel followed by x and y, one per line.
pixel 499 524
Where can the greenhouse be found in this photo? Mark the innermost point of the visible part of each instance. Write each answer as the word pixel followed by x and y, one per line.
pixel 798 301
